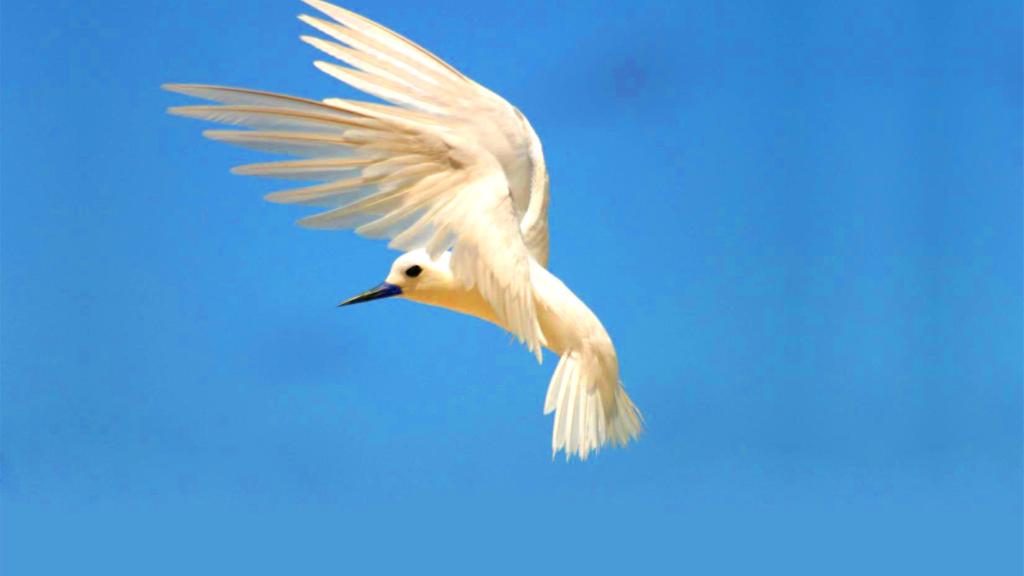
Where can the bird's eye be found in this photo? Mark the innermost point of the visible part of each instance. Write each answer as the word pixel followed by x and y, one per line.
pixel 413 271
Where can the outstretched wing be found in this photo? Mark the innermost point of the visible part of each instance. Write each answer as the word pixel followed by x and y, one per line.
pixel 399 71
pixel 450 165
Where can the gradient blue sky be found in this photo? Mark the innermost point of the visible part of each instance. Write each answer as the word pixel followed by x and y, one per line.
pixel 800 222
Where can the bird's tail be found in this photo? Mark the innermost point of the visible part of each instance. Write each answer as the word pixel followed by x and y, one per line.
pixel 591 407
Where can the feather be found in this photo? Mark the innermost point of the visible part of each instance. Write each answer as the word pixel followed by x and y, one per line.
pixel 316 169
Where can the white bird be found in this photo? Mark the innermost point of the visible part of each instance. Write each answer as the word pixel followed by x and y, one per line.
pixel 454 176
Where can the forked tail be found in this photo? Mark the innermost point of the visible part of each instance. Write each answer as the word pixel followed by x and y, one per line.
pixel 591 407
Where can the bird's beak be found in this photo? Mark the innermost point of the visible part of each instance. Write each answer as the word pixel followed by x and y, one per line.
pixel 385 290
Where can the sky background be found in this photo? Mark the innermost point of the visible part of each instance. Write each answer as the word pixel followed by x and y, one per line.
pixel 800 222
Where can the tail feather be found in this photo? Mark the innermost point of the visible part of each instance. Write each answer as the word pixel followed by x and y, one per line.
pixel 591 409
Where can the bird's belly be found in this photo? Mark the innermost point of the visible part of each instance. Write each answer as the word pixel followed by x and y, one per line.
pixel 557 339
pixel 558 328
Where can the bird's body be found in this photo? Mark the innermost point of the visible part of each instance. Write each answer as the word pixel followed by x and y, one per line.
pixel 453 175
pixel 583 420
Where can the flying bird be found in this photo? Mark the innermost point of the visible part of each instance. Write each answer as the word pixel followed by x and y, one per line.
pixel 454 176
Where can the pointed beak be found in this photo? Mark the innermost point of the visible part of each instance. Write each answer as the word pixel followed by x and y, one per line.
pixel 385 290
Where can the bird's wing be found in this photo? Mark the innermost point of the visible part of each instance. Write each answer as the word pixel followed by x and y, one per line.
pixel 450 165
pixel 389 66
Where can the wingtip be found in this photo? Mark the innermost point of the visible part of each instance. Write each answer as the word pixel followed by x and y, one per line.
pixel 200 91
pixel 191 111
pixel 176 87
pixel 331 69
pixel 218 135
pixel 309 222
pixel 286 198
pixel 313 4
pixel 328 8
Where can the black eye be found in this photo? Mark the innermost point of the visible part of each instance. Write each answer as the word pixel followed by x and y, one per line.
pixel 413 271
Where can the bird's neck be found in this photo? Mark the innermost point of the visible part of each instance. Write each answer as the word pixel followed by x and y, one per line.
pixel 455 297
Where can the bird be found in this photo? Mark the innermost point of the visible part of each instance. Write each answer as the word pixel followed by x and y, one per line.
pixel 454 177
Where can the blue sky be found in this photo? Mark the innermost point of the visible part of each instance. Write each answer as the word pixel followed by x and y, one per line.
pixel 801 224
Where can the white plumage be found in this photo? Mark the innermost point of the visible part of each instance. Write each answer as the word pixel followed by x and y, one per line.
pixel 452 175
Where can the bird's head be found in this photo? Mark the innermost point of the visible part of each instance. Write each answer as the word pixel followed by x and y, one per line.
pixel 414 275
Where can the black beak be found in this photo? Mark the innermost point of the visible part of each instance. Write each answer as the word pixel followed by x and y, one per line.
pixel 385 290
